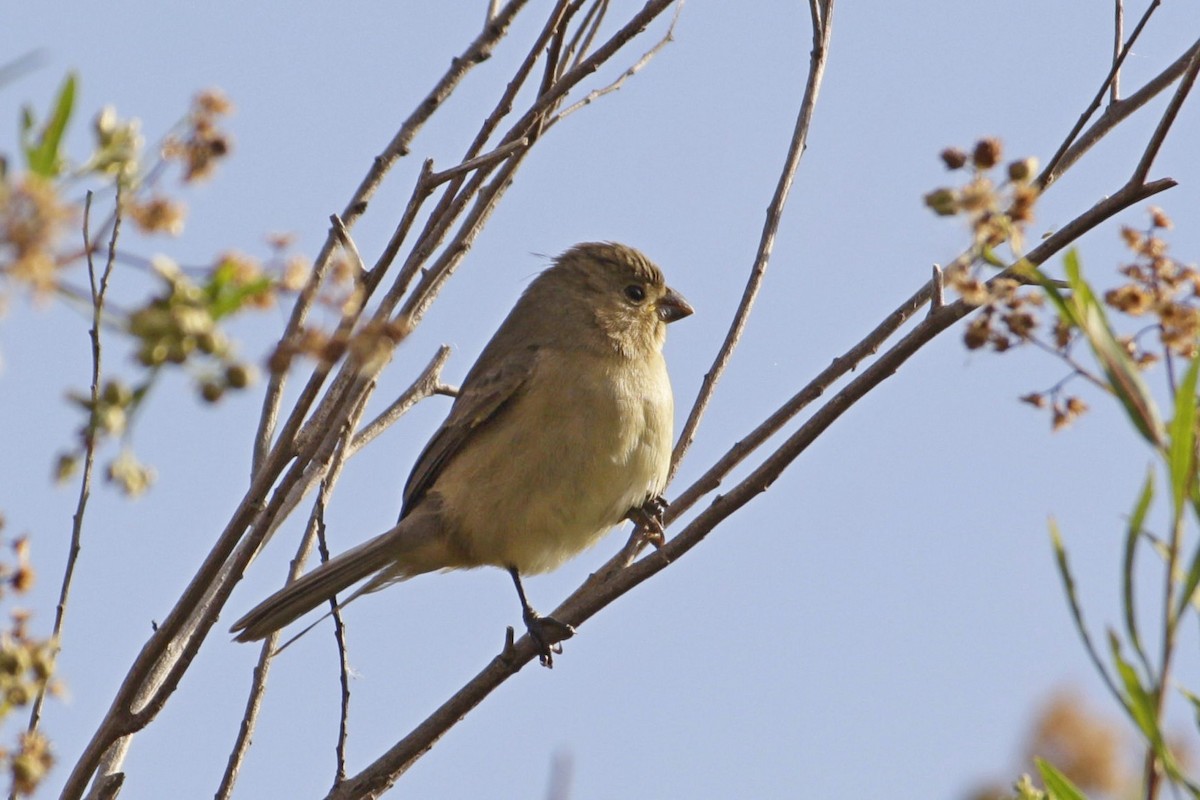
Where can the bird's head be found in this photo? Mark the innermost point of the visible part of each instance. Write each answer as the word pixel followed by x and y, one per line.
pixel 620 291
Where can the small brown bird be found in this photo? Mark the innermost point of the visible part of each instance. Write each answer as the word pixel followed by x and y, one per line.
pixel 562 429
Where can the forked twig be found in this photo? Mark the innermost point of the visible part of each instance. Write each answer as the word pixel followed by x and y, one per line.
pixel 99 292
pixel 1051 172
pixel 822 29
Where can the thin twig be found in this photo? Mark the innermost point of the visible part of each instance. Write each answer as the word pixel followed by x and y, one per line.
pixel 1051 172
pixel 822 29
pixel 269 647
pixel 347 242
pixel 577 49
pixel 1118 112
pixel 1168 118
pixel 485 160
pixel 475 53
pixel 1118 34
pixel 99 290
pixel 427 384
pixel 637 67
pixel 339 637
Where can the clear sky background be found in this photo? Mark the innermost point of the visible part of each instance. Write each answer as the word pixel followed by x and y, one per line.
pixel 882 623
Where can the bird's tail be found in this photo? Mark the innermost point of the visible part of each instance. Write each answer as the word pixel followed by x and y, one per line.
pixel 404 549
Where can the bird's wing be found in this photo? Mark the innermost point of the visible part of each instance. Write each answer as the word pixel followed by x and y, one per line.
pixel 483 399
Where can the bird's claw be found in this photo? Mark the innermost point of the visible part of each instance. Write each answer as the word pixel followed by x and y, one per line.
pixel 547 633
pixel 650 517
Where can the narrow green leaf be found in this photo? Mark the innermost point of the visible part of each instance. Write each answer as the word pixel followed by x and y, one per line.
pixel 1140 703
pixel 1189 586
pixel 44 154
pixel 1058 786
pixel 1064 571
pixel 1123 376
pixel 1056 296
pixel 226 293
pixel 1194 699
pixel 1181 446
pixel 1133 534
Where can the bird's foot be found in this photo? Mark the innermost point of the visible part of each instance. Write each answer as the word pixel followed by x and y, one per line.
pixel 650 519
pixel 547 633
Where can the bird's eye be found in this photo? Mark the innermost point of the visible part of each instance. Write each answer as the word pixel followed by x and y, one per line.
pixel 635 292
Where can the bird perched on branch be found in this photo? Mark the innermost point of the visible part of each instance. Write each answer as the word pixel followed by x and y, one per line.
pixel 562 429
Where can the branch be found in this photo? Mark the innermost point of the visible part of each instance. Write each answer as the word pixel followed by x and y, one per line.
pixel 301 446
pixel 822 29
pixel 381 774
pixel 315 526
pixel 1118 112
pixel 1168 118
pixel 476 53
pixel 1051 172
pixel 99 291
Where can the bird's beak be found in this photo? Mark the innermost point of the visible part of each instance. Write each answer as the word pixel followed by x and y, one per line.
pixel 672 306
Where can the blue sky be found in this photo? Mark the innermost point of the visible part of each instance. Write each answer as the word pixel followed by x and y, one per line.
pixel 882 622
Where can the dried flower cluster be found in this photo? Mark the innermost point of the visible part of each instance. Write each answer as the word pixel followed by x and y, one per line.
pixel 202 143
pixel 1158 288
pixel 342 294
pixel 997 212
pixel 26 670
pixel 118 152
pixel 1083 745
pixel 1161 288
pixel 32 220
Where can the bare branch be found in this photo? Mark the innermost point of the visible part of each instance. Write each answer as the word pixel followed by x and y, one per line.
pixel 339 638
pixel 1168 118
pixel 637 67
pixel 477 52
pixel 99 291
pixel 1118 33
pixel 313 530
pixel 347 243
pixel 821 32
pixel 1052 171
pixel 1117 112
pixel 485 160
pixel 426 385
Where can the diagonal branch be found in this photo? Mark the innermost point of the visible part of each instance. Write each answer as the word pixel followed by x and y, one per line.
pixel 99 292
pixel 478 51
pixel 1168 118
pixel 1051 172
pixel 822 29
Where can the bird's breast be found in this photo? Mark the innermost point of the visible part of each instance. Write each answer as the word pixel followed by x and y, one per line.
pixel 588 439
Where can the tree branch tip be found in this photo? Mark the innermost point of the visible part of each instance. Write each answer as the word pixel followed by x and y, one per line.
pixel 508 652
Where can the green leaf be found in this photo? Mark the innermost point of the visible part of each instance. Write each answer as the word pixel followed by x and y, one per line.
pixel 1056 296
pixel 1123 376
pixel 1189 586
pixel 1064 571
pixel 1058 786
pixel 43 152
pixel 1133 533
pixel 227 293
pixel 1139 702
pixel 1181 446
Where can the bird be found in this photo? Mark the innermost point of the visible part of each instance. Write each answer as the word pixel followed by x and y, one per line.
pixel 562 429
